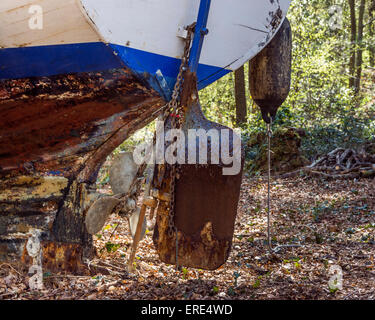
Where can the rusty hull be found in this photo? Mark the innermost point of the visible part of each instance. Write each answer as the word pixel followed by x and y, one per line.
pixel 48 124
pixel 55 133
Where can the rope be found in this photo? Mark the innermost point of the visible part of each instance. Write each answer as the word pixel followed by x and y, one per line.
pixel 269 135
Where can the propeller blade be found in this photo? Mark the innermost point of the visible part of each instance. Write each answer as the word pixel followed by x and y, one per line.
pixel 122 173
pixel 98 214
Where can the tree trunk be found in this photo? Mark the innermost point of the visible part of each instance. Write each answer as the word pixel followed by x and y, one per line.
pixel 359 54
pixel 253 109
pixel 240 95
pixel 353 38
pixel 371 34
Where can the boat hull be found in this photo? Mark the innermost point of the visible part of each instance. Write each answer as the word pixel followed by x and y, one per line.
pixel 76 88
pixel 55 134
pixel 53 124
pixel 144 36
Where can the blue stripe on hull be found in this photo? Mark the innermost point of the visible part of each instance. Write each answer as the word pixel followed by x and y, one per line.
pixel 159 71
pixel 43 61
pixel 148 64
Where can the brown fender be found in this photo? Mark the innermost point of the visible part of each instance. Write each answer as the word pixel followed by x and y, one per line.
pixel 270 73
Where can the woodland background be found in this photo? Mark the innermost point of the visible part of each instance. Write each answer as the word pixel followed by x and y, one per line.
pixel 331 105
pixel 332 95
pixel 333 80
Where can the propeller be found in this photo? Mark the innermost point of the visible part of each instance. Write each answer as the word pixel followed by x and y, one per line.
pixel 122 173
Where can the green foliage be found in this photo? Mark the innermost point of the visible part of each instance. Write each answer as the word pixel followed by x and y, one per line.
pixel 185 273
pixel 111 247
pixel 333 290
pixel 218 101
pixel 256 284
pixel 140 136
pixel 320 100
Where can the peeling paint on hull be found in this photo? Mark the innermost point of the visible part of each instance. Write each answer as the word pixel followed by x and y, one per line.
pixel 55 133
pixel 50 123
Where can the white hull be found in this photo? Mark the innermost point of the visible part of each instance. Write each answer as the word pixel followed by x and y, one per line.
pixel 64 22
pixel 144 35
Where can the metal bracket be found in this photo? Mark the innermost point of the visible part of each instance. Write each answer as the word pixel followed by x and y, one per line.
pixel 182 32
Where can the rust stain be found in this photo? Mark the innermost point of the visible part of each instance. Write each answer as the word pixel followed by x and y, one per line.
pixel 67 257
pixel 41 117
pixel 59 257
pixel 205 231
pixel 55 132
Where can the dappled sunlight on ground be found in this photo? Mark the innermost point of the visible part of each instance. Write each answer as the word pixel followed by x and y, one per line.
pixel 333 220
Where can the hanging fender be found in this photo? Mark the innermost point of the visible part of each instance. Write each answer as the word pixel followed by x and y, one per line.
pixel 270 73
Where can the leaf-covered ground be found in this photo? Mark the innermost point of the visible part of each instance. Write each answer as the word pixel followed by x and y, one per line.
pixel 333 220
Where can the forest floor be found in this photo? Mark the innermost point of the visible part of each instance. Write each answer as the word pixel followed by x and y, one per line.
pixel 333 220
